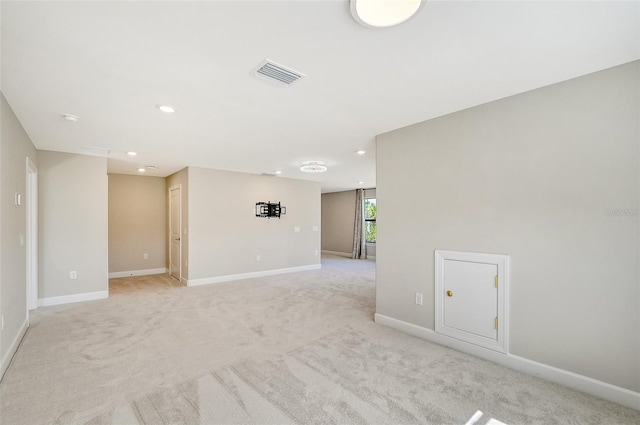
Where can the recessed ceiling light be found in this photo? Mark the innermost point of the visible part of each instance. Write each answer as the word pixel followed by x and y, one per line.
pixel 70 118
pixel 277 172
pixel 142 170
pixel 360 182
pixel 166 109
pixel 313 167
pixel 384 13
pixel 361 152
pixel 131 153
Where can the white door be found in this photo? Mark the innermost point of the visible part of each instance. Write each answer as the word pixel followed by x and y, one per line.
pixel 471 297
pixel 471 301
pixel 175 224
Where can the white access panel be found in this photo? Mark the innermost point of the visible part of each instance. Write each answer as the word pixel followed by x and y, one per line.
pixel 471 297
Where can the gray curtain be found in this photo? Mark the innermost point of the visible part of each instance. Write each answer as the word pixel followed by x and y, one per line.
pixel 359 246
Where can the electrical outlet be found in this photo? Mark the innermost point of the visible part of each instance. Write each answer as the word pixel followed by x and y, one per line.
pixel 2 328
pixel 418 298
pixel 73 274
pixel 258 257
pixel 145 256
pixel 296 229
pixel 314 229
pixel 316 252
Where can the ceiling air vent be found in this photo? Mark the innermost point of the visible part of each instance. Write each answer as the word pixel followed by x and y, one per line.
pixel 277 73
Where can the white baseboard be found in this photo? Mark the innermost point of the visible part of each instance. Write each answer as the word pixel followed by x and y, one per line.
pixel 75 298
pixel 184 281
pixel 13 347
pixel 339 254
pixel 371 257
pixel 138 273
pixel 231 277
pixel 578 382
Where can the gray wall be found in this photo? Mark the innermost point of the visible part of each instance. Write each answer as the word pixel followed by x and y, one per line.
pixel 181 178
pixel 15 147
pixel 225 235
pixel 338 213
pixel 73 223
pixel 137 222
pixel 549 177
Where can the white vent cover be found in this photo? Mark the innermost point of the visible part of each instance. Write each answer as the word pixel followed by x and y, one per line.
pixel 277 73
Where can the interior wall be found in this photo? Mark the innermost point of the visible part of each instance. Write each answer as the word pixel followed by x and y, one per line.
pixel 181 178
pixel 338 215
pixel 137 223
pixel 550 177
pixel 226 236
pixel 15 147
pixel 73 203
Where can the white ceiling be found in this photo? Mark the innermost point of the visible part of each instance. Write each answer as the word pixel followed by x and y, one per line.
pixel 111 63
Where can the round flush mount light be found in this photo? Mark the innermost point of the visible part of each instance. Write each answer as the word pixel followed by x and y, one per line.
pixel 384 13
pixel 142 170
pixel 70 118
pixel 313 167
pixel 361 152
pixel 132 153
pixel 277 172
pixel 166 109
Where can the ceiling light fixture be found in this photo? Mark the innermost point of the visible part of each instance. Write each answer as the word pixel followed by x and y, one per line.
pixel 151 167
pixel 384 13
pixel 313 167
pixel 131 153
pixel 361 152
pixel 142 170
pixel 166 109
pixel 278 172
pixel 70 118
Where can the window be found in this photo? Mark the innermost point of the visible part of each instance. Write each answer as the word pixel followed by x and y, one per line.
pixel 370 214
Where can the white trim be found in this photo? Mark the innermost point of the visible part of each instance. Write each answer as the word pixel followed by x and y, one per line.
pixel 177 187
pixel 569 379
pixel 501 261
pixel 32 235
pixel 339 254
pixel 75 298
pixel 251 275
pixel 371 257
pixel 145 272
pixel 183 280
pixel 6 360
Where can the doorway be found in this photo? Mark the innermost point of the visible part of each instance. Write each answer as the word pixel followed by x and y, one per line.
pixel 175 224
pixel 32 235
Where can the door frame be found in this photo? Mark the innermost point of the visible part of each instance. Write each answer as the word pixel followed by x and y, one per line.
pixel 32 235
pixel 177 187
pixel 500 260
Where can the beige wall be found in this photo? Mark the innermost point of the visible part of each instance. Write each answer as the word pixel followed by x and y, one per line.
pixel 73 193
pixel 137 223
pixel 338 214
pixel 225 236
pixel 535 176
pixel 181 178
pixel 15 147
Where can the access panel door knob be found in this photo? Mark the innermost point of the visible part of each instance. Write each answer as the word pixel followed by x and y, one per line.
pixel 449 293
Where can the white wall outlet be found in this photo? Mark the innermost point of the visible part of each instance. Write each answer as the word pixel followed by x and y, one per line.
pixel 296 229
pixel 418 298
pixel 258 257
pixel 316 252
pixel 73 274
pixel 314 228
pixel 145 256
pixel 2 328
pixel 21 240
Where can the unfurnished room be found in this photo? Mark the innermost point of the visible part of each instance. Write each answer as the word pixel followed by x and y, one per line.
pixel 319 212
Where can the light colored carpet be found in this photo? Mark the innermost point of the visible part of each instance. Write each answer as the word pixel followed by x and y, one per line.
pixel 291 349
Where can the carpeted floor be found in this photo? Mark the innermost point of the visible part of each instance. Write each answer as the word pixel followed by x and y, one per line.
pixel 297 348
